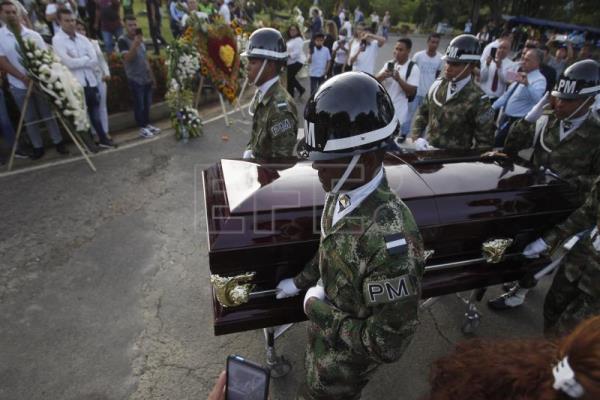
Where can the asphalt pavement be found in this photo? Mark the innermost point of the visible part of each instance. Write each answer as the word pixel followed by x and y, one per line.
pixel 104 290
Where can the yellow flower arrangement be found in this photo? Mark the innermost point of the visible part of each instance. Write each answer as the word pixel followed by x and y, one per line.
pixel 227 54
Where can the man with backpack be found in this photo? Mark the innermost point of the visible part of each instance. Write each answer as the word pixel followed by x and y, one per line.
pixel 400 77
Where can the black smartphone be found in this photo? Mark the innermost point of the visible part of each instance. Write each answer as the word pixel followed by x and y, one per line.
pixel 363 44
pixel 138 31
pixel 493 51
pixel 246 380
pixel 390 66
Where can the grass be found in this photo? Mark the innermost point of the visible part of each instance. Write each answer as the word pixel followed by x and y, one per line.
pixel 139 8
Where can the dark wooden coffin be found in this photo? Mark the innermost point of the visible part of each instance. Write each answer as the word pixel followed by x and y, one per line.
pixel 265 219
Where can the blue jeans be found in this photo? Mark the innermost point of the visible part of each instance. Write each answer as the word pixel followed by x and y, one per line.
pixel 92 101
pixel 413 106
pixel 109 39
pixel 37 109
pixel 315 82
pixel 141 95
pixel 6 128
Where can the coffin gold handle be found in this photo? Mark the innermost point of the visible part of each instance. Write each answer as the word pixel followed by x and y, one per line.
pixel 233 291
pixel 493 250
pixel 427 254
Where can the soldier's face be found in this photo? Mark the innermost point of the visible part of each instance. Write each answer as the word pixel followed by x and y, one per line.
pixel 456 71
pixel 330 172
pixel 253 68
pixel 563 108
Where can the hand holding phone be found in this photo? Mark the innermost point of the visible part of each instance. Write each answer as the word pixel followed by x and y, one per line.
pixel 493 51
pixel 246 380
pixel 138 32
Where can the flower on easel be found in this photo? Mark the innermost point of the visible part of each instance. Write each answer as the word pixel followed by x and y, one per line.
pixel 57 82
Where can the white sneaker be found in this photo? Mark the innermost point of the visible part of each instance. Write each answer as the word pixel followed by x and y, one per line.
pixel 153 129
pixel 146 133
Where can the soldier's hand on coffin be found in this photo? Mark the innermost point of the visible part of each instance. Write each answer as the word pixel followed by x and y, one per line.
pixel 536 112
pixel 286 288
pixel 247 155
pixel 421 144
pixel 316 291
pixel 494 154
pixel 535 248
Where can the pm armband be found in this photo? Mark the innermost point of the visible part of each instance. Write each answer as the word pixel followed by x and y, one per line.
pixel 389 290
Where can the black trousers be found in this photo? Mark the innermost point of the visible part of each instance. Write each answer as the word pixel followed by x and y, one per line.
pixel 292 82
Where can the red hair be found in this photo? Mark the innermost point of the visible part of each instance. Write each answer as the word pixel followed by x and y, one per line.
pixel 518 369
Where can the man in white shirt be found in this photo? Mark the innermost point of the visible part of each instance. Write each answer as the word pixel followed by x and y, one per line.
pixel 77 53
pixel 10 61
pixel 430 65
pixel 52 12
pixel 400 77
pixel 363 52
pixel 225 12
pixel 319 61
pixel 496 72
pixel 505 35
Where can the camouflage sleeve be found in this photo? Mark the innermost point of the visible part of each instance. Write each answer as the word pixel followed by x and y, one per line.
pixel 582 218
pixel 585 182
pixel 282 128
pixel 392 299
pixel 484 125
pixel 421 119
pixel 520 136
pixel 309 275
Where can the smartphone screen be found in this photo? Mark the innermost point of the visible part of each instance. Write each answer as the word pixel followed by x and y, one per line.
pixel 246 380
pixel 493 52
pixel 390 66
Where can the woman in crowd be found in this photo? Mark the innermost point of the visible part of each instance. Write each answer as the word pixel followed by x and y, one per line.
pixel 296 59
pixel 534 369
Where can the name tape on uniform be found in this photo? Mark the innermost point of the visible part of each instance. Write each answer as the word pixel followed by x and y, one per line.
pixel 388 290
pixel 395 244
pixel 281 126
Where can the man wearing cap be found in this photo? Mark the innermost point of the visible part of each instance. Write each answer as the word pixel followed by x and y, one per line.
pixel 274 115
pixel 365 280
pixel 456 113
pixel 563 139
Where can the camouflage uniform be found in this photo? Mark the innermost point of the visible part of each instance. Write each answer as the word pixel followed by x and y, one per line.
pixel 576 158
pixel 575 291
pixel 372 288
pixel 274 125
pixel 453 124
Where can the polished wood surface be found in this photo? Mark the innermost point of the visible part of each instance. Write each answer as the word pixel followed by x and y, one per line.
pixel 265 218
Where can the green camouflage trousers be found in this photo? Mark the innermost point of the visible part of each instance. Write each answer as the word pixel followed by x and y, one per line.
pixel 333 372
pixel 566 305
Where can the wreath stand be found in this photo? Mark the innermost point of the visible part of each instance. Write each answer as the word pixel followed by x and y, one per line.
pixel 74 138
pixel 223 106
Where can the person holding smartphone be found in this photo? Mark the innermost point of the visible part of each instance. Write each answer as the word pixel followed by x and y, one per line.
pixel 400 77
pixel 495 71
pixel 139 74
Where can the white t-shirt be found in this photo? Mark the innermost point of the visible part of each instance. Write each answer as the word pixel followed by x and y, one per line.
pixel 225 13
pixel 347 25
pixel 366 59
pixel 318 62
pixel 341 56
pixel 428 68
pixel 295 49
pixel 395 90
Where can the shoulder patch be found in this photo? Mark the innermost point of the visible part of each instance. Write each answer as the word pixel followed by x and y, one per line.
pixel 281 126
pixel 282 106
pixel 388 290
pixel 395 244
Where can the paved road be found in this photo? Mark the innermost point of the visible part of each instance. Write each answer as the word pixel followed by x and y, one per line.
pixel 104 284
